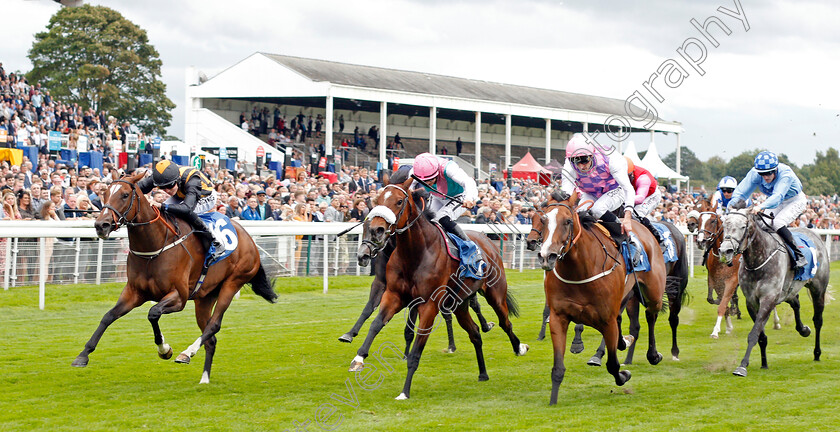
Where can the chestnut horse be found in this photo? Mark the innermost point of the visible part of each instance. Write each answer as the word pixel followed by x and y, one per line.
pixel 585 282
pixel 164 266
pixel 420 274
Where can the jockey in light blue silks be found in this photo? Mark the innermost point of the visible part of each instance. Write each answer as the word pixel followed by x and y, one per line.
pixel 785 201
pixel 601 178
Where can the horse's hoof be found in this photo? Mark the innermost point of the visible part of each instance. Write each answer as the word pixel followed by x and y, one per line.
pixel 655 359
pixel 576 348
pixel 594 361
pixel 167 355
pixel 346 338
pixel 402 396
pixel 490 325
pixel 714 336
pixel 523 349
pixel 710 300
pixel 483 377
pixel 675 358
pixel 541 337
pixel 205 378
pixel 449 350
pixel 777 326
pixel 622 377
pixel 806 331
pixel 740 371
pixel 80 362
pixel 182 358
pixel 356 366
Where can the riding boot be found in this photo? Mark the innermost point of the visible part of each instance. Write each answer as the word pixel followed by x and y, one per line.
pixel 613 225
pixel 798 259
pixel 450 226
pixel 649 225
pixel 198 224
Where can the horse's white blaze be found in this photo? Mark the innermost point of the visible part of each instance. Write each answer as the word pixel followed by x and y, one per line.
pixel 105 212
pixel 192 349
pixel 114 188
pixel 402 396
pixel 358 359
pixel 384 213
pixel 552 225
pixel 387 195
pixel 703 220
pixel 205 378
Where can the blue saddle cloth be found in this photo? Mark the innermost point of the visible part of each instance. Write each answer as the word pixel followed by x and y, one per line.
pixel 807 247
pixel 471 264
pixel 223 229
pixel 629 250
pixel 670 251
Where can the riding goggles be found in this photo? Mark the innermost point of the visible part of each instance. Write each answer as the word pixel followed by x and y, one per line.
pixel 581 160
pixel 727 190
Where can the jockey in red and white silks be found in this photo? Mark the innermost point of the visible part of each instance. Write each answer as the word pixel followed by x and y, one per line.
pixel 601 178
pixel 646 189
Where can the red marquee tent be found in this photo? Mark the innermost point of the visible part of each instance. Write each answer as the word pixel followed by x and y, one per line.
pixel 529 168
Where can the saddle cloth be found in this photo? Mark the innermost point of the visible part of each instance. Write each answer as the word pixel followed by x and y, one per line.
pixel 805 245
pixel 631 249
pixel 670 247
pixel 223 229
pixel 466 253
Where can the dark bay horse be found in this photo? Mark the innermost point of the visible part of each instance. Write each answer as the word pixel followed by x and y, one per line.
pixel 585 282
pixel 766 277
pixel 419 274
pixel 366 255
pixel 164 266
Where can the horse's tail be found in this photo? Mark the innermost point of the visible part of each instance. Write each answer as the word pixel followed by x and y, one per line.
pixel 512 304
pixel 262 286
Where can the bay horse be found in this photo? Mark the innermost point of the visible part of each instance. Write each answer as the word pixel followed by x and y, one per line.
pixel 766 277
pixel 366 255
pixel 164 264
pixel 420 274
pixel 585 282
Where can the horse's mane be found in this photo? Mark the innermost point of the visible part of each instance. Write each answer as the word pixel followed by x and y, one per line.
pixel 420 196
pixel 399 176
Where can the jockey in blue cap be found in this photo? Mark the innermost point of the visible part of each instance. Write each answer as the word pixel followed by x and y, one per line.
pixel 785 198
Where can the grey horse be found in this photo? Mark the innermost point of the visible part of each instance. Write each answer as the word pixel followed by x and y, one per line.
pixel 766 277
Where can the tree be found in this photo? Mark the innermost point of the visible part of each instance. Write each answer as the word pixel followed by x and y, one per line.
pixel 825 165
pixel 717 169
pixel 740 165
pixel 93 56
pixel 818 185
pixel 690 165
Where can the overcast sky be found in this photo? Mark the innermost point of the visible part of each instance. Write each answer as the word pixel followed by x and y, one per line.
pixel 774 86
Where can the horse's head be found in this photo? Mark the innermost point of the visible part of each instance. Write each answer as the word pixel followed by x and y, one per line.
pixel 534 238
pixel 707 227
pixel 557 228
pixel 735 230
pixel 122 201
pixel 367 250
pixel 395 212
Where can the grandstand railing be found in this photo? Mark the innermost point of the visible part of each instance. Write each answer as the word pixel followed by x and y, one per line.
pixel 65 252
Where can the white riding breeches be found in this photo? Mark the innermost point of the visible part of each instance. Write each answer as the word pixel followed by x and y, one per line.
pixel 649 204
pixel 203 205
pixel 788 210
pixel 445 207
pixel 609 201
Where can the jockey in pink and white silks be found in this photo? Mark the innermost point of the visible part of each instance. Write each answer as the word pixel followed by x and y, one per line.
pixel 785 198
pixel 446 177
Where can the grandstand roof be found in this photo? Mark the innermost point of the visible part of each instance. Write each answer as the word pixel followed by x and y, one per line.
pixel 276 78
pixel 426 83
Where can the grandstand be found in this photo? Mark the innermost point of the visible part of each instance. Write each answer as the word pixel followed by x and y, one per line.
pixel 428 111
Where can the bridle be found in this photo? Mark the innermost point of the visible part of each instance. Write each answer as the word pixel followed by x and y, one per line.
pixel 571 239
pixel 739 249
pixel 121 218
pixel 711 236
pixel 375 247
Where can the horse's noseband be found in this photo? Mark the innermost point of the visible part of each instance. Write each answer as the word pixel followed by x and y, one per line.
pixel 120 217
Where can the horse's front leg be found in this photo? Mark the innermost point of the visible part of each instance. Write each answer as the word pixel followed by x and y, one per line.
pixel 486 326
pixel 428 312
pixel 376 290
pixel 129 299
pixel 391 304
pixel 559 327
pixel 760 317
pixel 171 302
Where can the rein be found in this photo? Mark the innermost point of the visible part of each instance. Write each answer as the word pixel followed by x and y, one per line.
pixel 741 248
pixel 374 247
pixel 121 219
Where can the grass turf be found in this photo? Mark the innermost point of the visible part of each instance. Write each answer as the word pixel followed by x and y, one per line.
pixel 276 367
